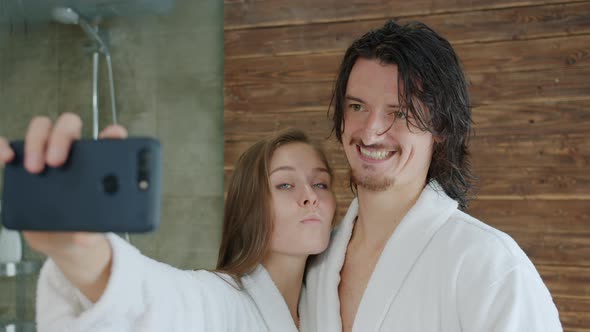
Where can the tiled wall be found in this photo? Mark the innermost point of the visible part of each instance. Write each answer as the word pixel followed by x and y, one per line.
pixel 169 79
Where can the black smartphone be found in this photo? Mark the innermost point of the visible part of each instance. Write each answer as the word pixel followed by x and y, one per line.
pixel 107 185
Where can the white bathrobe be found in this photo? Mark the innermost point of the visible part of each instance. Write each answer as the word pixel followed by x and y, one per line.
pixel 146 295
pixel 441 270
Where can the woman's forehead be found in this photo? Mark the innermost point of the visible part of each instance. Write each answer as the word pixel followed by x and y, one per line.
pixel 296 156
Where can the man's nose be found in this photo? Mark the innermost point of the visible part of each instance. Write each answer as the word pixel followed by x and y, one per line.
pixel 376 125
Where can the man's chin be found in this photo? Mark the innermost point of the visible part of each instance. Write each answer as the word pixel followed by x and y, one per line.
pixel 372 183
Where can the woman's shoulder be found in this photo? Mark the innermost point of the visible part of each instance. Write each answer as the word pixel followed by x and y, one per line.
pixel 206 281
pixel 215 279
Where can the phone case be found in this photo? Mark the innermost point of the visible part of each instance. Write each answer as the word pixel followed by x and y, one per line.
pixel 107 185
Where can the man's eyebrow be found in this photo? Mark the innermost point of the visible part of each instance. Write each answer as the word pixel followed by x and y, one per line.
pixel 349 97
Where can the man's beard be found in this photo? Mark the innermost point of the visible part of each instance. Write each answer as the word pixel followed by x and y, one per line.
pixel 371 182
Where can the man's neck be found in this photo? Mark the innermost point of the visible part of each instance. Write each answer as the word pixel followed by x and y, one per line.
pixel 381 212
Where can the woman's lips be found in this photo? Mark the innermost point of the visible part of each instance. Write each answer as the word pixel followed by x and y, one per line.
pixel 311 220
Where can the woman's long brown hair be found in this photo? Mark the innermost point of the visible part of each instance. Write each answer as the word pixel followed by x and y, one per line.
pixel 247 224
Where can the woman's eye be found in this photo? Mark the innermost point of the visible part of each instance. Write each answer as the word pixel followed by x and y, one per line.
pixel 284 186
pixel 321 186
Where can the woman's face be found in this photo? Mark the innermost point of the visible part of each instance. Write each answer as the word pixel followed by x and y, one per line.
pixel 302 201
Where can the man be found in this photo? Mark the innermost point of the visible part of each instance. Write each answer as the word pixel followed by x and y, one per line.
pixel 405 257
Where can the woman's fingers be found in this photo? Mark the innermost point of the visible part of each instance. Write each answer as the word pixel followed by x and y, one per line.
pixel 36 143
pixel 66 130
pixel 114 131
pixel 6 153
pixel 50 144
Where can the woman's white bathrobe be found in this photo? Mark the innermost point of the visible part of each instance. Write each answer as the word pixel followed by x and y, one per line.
pixel 146 295
pixel 441 270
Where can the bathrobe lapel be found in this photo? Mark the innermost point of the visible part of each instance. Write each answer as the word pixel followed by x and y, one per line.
pixel 325 302
pixel 401 252
pixel 424 219
pixel 268 300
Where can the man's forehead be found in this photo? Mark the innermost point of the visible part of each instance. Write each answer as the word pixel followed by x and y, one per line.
pixel 370 77
pixel 374 68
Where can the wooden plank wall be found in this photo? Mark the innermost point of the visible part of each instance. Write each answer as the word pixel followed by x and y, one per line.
pixel 529 67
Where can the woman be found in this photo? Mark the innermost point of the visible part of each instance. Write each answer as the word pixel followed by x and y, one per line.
pixel 279 211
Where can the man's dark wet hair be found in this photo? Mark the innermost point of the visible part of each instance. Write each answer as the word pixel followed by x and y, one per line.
pixel 429 73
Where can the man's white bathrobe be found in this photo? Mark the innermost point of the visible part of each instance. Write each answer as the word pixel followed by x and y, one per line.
pixel 146 295
pixel 441 270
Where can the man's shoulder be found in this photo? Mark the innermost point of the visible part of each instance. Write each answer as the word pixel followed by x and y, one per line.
pixel 477 233
pixel 482 231
pixel 472 240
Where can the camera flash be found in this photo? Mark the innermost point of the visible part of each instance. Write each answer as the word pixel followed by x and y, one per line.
pixel 143 184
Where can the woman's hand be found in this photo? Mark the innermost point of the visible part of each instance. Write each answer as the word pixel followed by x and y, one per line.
pixel 84 258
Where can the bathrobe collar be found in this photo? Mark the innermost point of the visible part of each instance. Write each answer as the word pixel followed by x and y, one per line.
pixel 269 301
pixel 432 209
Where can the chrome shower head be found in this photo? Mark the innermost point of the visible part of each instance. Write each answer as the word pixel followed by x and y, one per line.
pixel 65 15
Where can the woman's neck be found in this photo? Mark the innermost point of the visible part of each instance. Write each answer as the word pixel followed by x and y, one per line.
pixel 287 273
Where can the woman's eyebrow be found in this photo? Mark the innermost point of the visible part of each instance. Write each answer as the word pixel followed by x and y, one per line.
pixel 282 168
pixel 321 170
pixel 289 168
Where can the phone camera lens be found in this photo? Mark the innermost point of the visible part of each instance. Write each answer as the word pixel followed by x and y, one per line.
pixel 143 169
pixel 110 184
pixel 144 158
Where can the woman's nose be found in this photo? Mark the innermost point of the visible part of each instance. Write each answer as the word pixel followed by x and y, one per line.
pixel 309 198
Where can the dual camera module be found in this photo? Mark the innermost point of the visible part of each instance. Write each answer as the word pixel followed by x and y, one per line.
pixel 111 182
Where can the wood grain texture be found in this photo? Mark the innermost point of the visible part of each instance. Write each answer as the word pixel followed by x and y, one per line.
pixel 256 13
pixel 459 28
pixel 520 55
pixel 567 218
pixel 572 312
pixel 543 248
pixel 566 281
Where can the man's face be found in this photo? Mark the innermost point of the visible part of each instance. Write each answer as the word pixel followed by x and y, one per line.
pixel 381 150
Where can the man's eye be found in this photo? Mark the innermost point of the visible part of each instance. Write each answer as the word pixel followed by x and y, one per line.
pixel 356 107
pixel 284 186
pixel 400 115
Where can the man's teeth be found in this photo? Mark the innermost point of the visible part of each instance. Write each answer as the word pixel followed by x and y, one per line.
pixel 375 154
